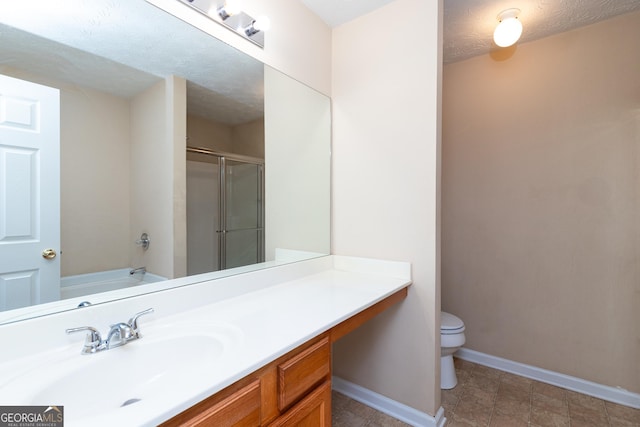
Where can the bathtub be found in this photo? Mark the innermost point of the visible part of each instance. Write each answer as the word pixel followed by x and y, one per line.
pixel 103 281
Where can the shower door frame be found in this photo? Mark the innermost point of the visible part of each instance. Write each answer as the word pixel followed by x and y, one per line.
pixel 222 230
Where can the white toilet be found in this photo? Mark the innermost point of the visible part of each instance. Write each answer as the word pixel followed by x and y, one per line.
pixel 451 339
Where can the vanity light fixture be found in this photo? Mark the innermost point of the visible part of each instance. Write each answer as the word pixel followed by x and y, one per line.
pixel 228 14
pixel 509 29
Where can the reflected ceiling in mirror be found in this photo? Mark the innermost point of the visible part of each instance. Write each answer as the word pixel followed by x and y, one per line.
pixel 124 47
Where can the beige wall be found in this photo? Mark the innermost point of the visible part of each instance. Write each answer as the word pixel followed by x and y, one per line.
pixel 158 177
pixel 246 138
pixel 385 190
pixel 176 119
pixel 209 134
pixel 94 180
pixel 541 220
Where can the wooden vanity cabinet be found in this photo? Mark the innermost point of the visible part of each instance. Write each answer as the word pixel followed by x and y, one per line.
pixel 292 391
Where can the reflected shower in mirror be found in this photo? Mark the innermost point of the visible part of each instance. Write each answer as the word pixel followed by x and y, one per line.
pixel 225 210
pixel 132 100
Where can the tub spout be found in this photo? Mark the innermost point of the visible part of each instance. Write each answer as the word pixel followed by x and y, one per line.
pixel 138 270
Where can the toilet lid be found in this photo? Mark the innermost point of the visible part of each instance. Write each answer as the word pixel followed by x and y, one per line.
pixel 449 322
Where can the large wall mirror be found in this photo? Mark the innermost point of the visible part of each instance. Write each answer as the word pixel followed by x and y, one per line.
pixel 180 159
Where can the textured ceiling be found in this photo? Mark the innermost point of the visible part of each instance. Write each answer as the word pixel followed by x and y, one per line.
pixel 469 24
pixel 84 33
pixel 71 41
pixel 337 12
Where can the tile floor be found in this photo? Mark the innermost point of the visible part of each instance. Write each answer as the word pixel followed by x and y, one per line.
pixel 346 412
pixel 488 397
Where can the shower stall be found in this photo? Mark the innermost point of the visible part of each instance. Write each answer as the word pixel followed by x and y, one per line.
pixel 225 210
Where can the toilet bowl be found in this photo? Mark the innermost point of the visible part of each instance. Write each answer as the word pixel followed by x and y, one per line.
pixel 451 339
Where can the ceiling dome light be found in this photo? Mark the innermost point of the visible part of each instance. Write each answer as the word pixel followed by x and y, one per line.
pixel 509 29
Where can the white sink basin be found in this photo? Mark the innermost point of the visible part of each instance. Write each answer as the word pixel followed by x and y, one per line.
pixel 164 359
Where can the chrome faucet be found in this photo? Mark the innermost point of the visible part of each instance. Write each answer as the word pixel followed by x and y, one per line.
pixel 142 270
pixel 119 334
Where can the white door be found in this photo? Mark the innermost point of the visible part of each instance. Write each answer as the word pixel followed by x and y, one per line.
pixel 29 193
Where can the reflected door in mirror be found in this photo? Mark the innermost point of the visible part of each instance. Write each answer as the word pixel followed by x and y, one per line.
pixel 29 193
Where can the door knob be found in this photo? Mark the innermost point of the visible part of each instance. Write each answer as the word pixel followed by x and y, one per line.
pixel 49 254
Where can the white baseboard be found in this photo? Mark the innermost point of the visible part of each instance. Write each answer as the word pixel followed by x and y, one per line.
pixel 611 394
pixel 390 407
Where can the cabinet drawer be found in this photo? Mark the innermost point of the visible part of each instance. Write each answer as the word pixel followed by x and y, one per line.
pixel 238 409
pixel 301 373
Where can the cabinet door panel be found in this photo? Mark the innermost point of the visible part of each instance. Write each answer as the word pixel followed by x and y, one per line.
pixel 312 411
pixel 302 372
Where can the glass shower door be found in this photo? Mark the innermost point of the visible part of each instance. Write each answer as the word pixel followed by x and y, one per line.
pixel 203 210
pixel 241 232
pixel 225 211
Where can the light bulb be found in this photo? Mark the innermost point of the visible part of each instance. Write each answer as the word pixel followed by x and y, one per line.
pixel 232 7
pixel 262 23
pixel 509 29
pixel 229 8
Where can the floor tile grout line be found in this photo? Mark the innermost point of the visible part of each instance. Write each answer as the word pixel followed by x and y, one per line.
pixel 495 399
pixel 530 404
pixel 606 411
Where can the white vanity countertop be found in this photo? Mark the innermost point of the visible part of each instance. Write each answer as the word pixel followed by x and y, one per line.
pixel 257 327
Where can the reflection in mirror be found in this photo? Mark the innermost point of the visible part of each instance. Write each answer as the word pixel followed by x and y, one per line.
pixel 222 161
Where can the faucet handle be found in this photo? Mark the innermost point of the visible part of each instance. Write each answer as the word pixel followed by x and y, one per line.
pixel 133 322
pixel 93 340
